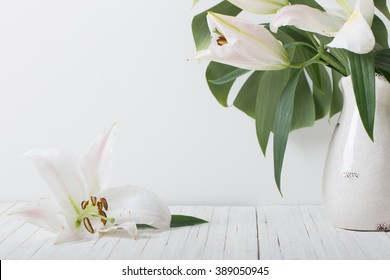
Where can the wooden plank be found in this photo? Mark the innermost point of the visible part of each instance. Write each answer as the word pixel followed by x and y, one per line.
pixel 321 234
pixel 267 235
pixel 338 243
pixel 174 248
pixel 241 236
pixel 8 226
pixel 312 245
pixel 268 232
pixel 281 225
pixel 150 243
pixel 66 251
pixel 376 245
pixel 156 243
pixel 16 239
pixel 28 248
pixel 104 246
pixel 4 207
pixel 197 237
pixel 216 236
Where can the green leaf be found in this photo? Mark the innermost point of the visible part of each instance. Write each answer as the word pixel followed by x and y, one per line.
pixel 363 80
pixel 382 60
pixel 230 76
pixel 246 97
pixel 313 70
pixel 296 35
pixel 304 110
pixel 269 90
pixel 380 32
pixel 322 95
pixel 382 63
pixel 200 29
pixel 382 6
pixel 340 54
pixel 282 126
pixel 337 96
pixel 182 221
pixel 195 2
pixel 215 71
pixel 311 3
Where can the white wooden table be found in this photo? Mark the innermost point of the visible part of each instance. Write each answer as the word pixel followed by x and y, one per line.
pixel 265 232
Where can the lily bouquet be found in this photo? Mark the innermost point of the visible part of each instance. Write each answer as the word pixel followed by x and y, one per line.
pixel 296 61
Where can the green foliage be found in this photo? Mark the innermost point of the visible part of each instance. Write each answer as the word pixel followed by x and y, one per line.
pixel 303 98
pixel 382 6
pixel 380 32
pixel 214 72
pixel 246 98
pixel 229 77
pixel 282 127
pixel 337 97
pixel 269 90
pixel 382 63
pixel 182 221
pixel 363 79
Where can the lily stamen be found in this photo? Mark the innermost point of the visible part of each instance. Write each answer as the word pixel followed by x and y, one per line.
pixel 102 213
pixel 222 40
pixel 94 209
pixel 104 203
pixel 88 226
pixel 93 200
pixel 84 204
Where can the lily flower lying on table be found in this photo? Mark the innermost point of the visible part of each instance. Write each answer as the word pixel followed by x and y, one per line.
pixel 82 206
pixel 348 21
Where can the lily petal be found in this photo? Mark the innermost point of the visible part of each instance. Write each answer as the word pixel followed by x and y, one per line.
pixel 72 235
pixel 136 205
pixel 62 174
pixel 308 19
pixel 367 9
pixel 338 8
pixel 97 162
pixel 260 6
pixel 355 35
pixel 130 228
pixel 45 213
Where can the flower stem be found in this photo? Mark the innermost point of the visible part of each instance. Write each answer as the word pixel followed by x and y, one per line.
pixel 326 56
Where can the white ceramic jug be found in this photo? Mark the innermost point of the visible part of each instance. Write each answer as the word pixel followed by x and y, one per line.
pixel 356 180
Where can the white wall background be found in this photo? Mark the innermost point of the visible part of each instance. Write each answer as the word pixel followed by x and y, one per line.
pixel 69 68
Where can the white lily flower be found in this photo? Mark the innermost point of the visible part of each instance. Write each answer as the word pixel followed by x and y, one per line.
pixel 83 206
pixel 260 6
pixel 242 44
pixel 348 21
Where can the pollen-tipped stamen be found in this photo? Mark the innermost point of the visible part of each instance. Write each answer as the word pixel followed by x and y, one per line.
pixel 84 204
pixel 103 214
pixel 104 203
pixel 93 200
pixel 222 40
pixel 88 225
pixel 93 208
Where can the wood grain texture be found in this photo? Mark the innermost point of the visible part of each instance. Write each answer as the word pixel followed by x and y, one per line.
pixel 264 232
